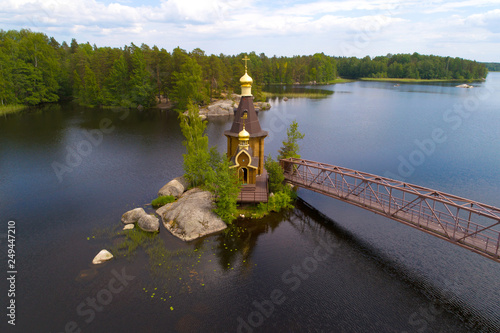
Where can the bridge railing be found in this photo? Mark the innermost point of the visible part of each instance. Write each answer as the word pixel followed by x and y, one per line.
pixel 464 222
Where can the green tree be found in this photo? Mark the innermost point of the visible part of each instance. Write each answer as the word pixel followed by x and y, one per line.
pixel 142 91
pixel 224 183
pixel 118 83
pixel 280 200
pixel 86 89
pixel 282 195
pixel 290 148
pixel 275 173
pixel 188 85
pixel 197 157
pixel 92 91
pixel 6 86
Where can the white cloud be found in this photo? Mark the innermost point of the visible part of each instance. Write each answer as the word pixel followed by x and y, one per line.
pixel 448 6
pixel 489 20
pixel 227 25
pixel 324 7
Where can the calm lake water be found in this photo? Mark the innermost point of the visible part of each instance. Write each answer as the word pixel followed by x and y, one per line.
pixel 326 265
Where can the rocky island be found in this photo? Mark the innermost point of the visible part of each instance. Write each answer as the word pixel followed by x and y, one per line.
pixel 189 217
pixel 228 106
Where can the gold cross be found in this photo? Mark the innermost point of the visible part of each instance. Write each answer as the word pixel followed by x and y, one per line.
pixel 245 59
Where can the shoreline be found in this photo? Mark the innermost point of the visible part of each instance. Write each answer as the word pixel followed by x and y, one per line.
pixel 9 109
pixel 337 80
pixel 407 80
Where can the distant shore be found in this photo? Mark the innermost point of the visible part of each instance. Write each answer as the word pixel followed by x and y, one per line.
pixel 337 80
pixel 416 80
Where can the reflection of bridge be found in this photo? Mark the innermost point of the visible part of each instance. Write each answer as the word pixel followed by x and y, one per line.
pixel 466 223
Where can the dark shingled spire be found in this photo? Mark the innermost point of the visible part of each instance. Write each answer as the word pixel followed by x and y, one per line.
pixel 252 124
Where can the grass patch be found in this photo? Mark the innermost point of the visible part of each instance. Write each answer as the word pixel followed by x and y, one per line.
pixel 310 94
pixel 133 239
pixel 338 80
pixel 6 109
pixel 162 201
pixel 172 272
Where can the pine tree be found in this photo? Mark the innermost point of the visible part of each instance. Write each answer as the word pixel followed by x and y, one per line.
pixel 91 89
pixel 188 85
pixel 117 83
pixel 290 148
pixel 142 91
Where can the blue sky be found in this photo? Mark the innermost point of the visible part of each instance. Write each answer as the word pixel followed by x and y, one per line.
pixel 468 29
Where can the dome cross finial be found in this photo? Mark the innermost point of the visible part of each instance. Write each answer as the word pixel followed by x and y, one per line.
pixel 245 59
pixel 246 81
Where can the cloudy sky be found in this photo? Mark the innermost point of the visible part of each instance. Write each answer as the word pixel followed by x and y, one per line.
pixel 466 28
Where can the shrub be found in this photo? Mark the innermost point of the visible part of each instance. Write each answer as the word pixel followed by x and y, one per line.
pixel 277 202
pixel 225 185
pixel 275 172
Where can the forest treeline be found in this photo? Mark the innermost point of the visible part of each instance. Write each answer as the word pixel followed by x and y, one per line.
pixel 492 66
pixel 36 69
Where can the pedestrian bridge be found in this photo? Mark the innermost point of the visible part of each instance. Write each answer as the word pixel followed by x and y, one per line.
pixel 463 222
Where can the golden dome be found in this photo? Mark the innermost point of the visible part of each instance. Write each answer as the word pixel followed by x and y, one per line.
pixel 246 80
pixel 244 135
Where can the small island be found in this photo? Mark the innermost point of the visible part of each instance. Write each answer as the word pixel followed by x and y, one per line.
pixel 218 188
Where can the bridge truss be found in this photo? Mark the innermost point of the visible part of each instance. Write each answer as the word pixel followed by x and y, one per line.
pixel 466 223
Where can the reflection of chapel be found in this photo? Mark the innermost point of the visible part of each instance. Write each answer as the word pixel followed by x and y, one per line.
pixel 245 146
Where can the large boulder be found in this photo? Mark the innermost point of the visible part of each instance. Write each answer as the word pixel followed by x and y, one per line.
pixel 191 216
pixel 223 107
pixel 262 106
pixel 132 216
pixel 149 223
pixel 175 187
pixel 102 256
pixel 227 107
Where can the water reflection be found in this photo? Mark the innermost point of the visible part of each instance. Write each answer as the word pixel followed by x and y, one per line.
pixel 371 282
pixel 235 246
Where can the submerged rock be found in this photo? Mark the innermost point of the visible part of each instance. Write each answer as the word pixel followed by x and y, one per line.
pixel 191 216
pixel 149 223
pixel 175 187
pixel 101 257
pixel 86 275
pixel 132 216
pixel 128 227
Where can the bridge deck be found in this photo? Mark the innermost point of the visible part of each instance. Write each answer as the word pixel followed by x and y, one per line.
pixel 463 222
